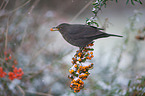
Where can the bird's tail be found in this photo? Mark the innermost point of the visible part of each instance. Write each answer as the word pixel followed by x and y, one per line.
pixel 115 35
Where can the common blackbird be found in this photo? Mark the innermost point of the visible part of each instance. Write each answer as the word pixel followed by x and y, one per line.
pixel 80 35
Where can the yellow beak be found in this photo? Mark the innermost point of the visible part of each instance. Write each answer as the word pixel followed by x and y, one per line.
pixel 54 29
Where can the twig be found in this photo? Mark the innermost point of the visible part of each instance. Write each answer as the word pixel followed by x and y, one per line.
pixel 2 60
pixel 20 6
pixel 22 91
pixel 17 8
pixel 33 6
pixel 5 4
pixel 2 4
pixel 35 74
pixel 39 93
pixel 82 10
pixel 37 53
pixel 95 15
pixel 6 37
pixel 23 38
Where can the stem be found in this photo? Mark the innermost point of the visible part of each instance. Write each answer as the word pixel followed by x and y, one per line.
pixel 6 37
pixel 82 10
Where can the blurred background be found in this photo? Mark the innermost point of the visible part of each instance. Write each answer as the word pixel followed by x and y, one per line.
pixel 45 56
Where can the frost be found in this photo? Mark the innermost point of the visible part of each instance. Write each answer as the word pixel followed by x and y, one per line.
pixel 86 64
pixel 73 68
pixel 96 1
pixel 76 78
pixel 94 9
pixel 89 21
pixel 14 83
pixel 91 18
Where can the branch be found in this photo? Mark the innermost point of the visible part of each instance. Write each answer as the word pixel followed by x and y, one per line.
pixel 82 10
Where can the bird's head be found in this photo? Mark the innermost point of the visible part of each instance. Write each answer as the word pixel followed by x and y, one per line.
pixel 61 28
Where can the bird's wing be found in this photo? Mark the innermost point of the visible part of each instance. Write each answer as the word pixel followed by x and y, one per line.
pixel 84 31
pixel 97 28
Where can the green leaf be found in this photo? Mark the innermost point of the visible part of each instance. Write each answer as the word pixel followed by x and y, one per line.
pixel 129 83
pixel 119 90
pixel 86 55
pixel 132 2
pixel 83 60
pixel 94 12
pixel 97 24
pixel 140 2
pixel 127 2
pixel 90 49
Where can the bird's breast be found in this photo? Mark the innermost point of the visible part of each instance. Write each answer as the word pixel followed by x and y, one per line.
pixel 80 42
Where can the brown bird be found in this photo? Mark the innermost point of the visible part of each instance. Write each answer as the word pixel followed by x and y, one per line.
pixel 80 35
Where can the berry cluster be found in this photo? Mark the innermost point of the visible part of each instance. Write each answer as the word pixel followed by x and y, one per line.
pixel 9 65
pixel 2 73
pixel 16 74
pixel 80 69
pixel 7 56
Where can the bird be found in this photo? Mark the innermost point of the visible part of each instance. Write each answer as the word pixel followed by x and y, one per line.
pixel 81 35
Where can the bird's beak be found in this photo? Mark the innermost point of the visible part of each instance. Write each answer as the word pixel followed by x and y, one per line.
pixel 54 29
